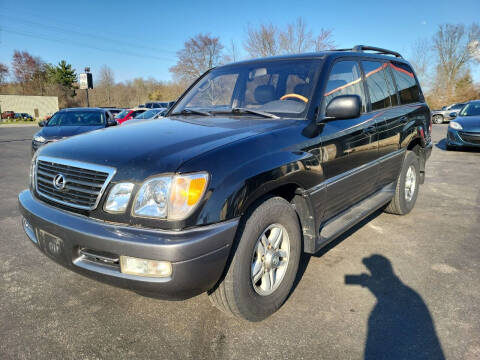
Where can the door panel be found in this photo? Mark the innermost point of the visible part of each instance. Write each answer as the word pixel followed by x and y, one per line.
pixel 390 129
pixel 349 150
pixel 348 147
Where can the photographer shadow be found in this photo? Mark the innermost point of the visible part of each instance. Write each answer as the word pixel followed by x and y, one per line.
pixel 400 325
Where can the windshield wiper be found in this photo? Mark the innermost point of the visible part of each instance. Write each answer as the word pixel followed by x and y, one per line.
pixel 187 111
pixel 240 110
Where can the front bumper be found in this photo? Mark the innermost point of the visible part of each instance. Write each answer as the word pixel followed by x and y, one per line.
pixel 198 256
pixel 461 138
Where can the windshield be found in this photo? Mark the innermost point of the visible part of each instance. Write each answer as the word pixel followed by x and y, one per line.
pixel 471 109
pixel 148 114
pixel 283 88
pixel 122 114
pixel 77 118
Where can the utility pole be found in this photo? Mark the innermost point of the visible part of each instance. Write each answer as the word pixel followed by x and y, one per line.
pixel 86 82
pixel 87 71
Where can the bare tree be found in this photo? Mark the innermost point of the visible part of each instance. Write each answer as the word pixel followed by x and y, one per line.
pixel 324 40
pixel 474 48
pixel 232 52
pixel 199 54
pixel 268 40
pixel 107 81
pixel 453 48
pixel 296 38
pixel 262 41
pixel 3 73
pixel 421 60
pixel 25 67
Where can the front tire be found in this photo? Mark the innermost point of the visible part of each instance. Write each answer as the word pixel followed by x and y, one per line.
pixel 264 263
pixel 406 190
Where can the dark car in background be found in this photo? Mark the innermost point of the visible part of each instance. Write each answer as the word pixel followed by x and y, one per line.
pixel 69 122
pixel 445 113
pixel 156 104
pixel 256 163
pixel 464 130
pixel 23 116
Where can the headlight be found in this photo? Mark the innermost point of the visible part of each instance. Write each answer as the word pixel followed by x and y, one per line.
pixel 118 198
pixel 32 170
pixel 455 125
pixel 39 138
pixel 173 197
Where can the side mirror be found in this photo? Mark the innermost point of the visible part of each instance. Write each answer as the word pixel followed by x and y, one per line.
pixel 344 107
pixel 42 123
pixel 453 114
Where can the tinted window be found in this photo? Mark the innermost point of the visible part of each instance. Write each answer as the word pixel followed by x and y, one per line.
pixel 457 106
pixel 471 109
pixel 77 118
pixel 381 94
pixel 344 79
pixel 408 88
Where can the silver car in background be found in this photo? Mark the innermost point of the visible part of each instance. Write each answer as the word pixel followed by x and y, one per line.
pixel 444 114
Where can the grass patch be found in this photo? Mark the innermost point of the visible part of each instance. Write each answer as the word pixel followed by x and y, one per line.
pixel 22 122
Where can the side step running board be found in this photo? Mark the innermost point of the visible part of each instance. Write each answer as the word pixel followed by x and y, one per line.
pixel 350 217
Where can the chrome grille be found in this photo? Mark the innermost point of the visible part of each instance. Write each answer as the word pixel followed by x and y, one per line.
pixel 84 183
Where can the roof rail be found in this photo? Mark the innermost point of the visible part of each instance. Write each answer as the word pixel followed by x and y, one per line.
pixel 362 48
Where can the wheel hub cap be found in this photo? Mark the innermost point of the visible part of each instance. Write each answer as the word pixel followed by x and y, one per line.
pixel 410 183
pixel 270 259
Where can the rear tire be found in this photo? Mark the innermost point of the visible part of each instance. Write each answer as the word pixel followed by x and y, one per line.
pixel 237 293
pixel 406 190
pixel 437 119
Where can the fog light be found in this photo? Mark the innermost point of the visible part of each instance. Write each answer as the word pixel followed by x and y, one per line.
pixel 144 267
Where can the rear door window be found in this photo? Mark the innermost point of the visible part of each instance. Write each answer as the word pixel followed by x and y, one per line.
pixel 344 79
pixel 407 85
pixel 379 84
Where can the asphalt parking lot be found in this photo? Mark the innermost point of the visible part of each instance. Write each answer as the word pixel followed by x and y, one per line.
pixel 429 304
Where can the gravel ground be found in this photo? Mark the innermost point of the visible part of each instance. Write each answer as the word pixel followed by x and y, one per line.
pixel 422 295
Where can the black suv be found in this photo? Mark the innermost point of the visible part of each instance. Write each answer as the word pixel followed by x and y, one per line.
pixel 257 162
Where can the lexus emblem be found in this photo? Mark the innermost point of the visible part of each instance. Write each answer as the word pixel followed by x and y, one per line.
pixel 59 182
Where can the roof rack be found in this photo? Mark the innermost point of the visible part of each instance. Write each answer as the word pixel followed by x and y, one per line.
pixel 363 48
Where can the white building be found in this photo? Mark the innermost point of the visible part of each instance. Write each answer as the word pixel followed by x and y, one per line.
pixel 37 106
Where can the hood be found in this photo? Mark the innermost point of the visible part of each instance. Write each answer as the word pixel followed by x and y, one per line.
pixel 469 123
pixel 146 148
pixel 60 132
